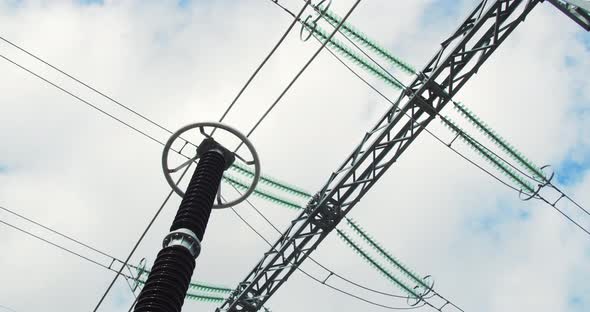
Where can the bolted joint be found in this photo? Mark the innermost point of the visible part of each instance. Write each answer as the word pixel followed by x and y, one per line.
pixel 328 214
pixel 210 145
pixel 185 238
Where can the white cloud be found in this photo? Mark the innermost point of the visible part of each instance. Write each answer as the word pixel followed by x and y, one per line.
pixel 83 173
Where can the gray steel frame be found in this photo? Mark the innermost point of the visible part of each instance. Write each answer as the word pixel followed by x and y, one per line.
pixel 579 15
pixel 443 76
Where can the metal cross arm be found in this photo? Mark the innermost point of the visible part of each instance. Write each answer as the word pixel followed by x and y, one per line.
pixel 577 10
pixel 459 58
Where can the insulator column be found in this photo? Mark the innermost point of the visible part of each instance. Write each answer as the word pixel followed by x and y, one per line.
pixel 167 284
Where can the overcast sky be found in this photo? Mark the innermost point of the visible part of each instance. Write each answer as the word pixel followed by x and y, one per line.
pixel 80 172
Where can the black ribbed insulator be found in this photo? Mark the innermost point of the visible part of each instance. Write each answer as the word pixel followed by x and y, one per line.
pixel 166 286
pixel 195 208
pixel 168 281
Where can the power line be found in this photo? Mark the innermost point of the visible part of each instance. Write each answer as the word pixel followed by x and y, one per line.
pixel 61 247
pixel 479 143
pixel 80 99
pixel 307 2
pixel 161 143
pixel 324 282
pixel 140 239
pixel 272 106
pixel 553 205
pixel 56 232
pixel 331 272
pixel 84 84
pixel 391 102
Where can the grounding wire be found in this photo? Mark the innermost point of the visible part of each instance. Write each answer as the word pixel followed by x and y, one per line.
pixel 449 145
pixel 140 239
pixel 323 282
pixel 317 262
pixel 317 52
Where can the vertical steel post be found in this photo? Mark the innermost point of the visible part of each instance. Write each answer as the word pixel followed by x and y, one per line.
pixel 167 284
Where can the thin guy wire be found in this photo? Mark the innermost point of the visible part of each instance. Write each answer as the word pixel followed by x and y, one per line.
pixel 130 287
pixel 319 281
pixel 56 232
pixel 127 277
pixel 61 71
pixel 133 303
pixel 140 239
pixel 570 199
pixel 564 214
pixel 263 63
pixel 271 107
pixel 79 98
pixel 317 262
pixel 95 107
pixel 58 246
pixel 132 278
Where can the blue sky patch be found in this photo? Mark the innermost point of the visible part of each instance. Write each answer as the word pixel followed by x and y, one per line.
pixel 583 37
pixel 91 2
pixel 571 171
pixel 441 9
pixel 490 222
pixel 576 303
pixel 578 299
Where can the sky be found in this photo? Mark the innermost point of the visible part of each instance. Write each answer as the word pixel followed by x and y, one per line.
pixel 82 173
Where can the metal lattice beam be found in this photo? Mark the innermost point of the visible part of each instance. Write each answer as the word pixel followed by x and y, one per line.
pixel 459 59
pixel 575 11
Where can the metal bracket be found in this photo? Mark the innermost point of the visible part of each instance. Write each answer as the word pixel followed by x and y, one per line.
pixel 185 238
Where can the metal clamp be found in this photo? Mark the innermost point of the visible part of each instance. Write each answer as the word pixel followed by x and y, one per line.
pixel 321 13
pixel 185 238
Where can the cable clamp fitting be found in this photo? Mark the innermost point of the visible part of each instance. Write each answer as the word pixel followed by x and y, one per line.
pixel 185 238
